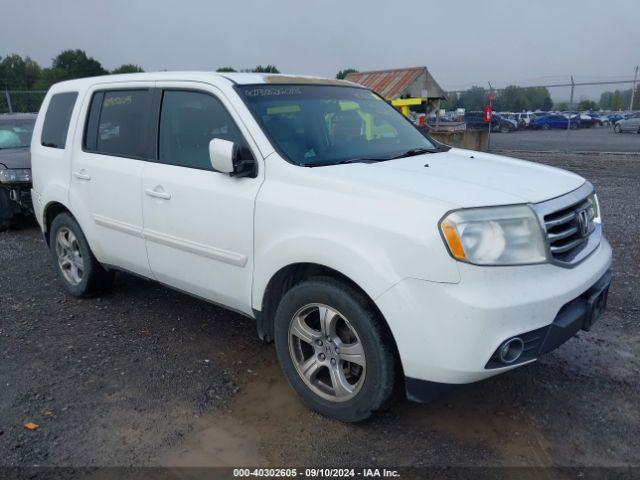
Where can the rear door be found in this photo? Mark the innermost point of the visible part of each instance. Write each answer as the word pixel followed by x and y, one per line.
pixel 198 223
pixel 106 174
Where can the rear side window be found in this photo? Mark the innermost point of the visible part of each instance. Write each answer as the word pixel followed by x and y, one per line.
pixel 188 122
pixel 56 120
pixel 118 123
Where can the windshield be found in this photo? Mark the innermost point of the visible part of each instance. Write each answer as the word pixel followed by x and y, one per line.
pixel 15 133
pixel 314 125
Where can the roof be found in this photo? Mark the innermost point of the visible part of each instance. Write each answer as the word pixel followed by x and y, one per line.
pixel 240 78
pixel 397 82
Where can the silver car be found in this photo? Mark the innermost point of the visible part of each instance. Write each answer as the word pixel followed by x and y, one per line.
pixel 15 166
pixel 629 124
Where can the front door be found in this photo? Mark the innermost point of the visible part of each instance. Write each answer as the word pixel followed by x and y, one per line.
pixel 198 223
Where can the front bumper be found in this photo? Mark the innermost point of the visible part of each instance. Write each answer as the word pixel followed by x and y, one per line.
pixel 448 333
pixel 20 195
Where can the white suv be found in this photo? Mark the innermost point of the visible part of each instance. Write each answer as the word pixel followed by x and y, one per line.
pixel 374 257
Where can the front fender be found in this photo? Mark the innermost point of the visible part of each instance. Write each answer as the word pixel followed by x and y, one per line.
pixel 373 275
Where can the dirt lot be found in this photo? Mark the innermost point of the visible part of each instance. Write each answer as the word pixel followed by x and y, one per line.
pixel 602 139
pixel 147 376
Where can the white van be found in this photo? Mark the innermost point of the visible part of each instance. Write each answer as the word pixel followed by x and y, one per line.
pixel 374 257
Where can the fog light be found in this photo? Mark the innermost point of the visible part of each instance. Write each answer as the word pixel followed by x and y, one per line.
pixel 511 350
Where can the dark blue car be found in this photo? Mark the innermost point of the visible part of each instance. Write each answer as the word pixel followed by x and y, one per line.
pixel 555 121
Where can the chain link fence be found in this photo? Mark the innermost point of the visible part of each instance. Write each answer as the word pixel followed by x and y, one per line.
pixel 14 101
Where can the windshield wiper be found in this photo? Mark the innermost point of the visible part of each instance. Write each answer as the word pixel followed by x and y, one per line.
pixel 342 162
pixel 413 152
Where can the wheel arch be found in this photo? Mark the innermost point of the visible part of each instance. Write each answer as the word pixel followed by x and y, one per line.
pixel 295 273
pixel 51 211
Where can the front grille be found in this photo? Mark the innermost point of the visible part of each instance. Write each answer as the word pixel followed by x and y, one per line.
pixel 568 230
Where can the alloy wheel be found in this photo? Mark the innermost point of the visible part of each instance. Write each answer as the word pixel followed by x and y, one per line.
pixel 69 256
pixel 327 352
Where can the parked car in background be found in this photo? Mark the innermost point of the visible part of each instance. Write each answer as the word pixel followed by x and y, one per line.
pixel 614 117
pixel 15 166
pixel 555 121
pixel 475 120
pixel 629 124
pixel 374 258
pixel 524 119
pixel 601 120
pixel 589 121
pixel 503 124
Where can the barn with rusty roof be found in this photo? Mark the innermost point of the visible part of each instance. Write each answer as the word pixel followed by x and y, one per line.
pixel 400 83
pixel 404 87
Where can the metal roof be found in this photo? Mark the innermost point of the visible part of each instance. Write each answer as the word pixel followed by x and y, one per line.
pixel 397 82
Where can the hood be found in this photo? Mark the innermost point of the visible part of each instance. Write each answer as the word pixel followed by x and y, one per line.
pixel 463 178
pixel 15 158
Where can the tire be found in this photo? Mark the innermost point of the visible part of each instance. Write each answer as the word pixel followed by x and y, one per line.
pixel 573 126
pixel 8 211
pixel 79 272
pixel 617 129
pixel 505 129
pixel 545 126
pixel 352 321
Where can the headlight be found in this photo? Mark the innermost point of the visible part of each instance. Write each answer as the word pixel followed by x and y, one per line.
pixel 494 236
pixel 15 175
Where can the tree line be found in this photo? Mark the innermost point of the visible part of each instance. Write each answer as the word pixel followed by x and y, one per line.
pixel 24 73
pixel 512 98
pixel 26 79
pixel 518 99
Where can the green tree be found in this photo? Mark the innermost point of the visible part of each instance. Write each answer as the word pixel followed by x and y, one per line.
pixel 452 102
pixel 226 69
pixel 128 68
pixel 19 73
pixel 76 64
pixel 342 74
pixel 473 99
pixel 587 105
pixel 265 69
pixel 616 100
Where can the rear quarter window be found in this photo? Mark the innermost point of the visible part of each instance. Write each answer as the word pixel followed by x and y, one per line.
pixel 56 120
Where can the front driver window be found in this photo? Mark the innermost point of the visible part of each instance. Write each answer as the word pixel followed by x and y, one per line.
pixel 188 122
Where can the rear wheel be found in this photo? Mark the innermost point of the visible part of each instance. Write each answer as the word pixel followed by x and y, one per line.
pixel 78 270
pixel 573 126
pixel 333 349
pixel 545 126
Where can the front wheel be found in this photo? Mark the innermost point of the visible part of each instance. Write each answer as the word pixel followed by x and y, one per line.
pixel 617 129
pixel 573 126
pixel 333 349
pixel 545 126
pixel 80 273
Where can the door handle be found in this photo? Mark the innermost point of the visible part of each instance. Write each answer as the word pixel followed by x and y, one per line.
pixel 82 175
pixel 158 192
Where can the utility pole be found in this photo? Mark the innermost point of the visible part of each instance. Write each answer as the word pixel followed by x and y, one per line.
pixel 6 94
pixel 633 88
pixel 573 84
pixel 491 119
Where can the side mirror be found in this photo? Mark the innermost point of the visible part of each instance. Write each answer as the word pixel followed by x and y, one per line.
pixel 225 158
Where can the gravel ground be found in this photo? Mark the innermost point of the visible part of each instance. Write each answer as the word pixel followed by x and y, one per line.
pixel 146 376
pixel 602 139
